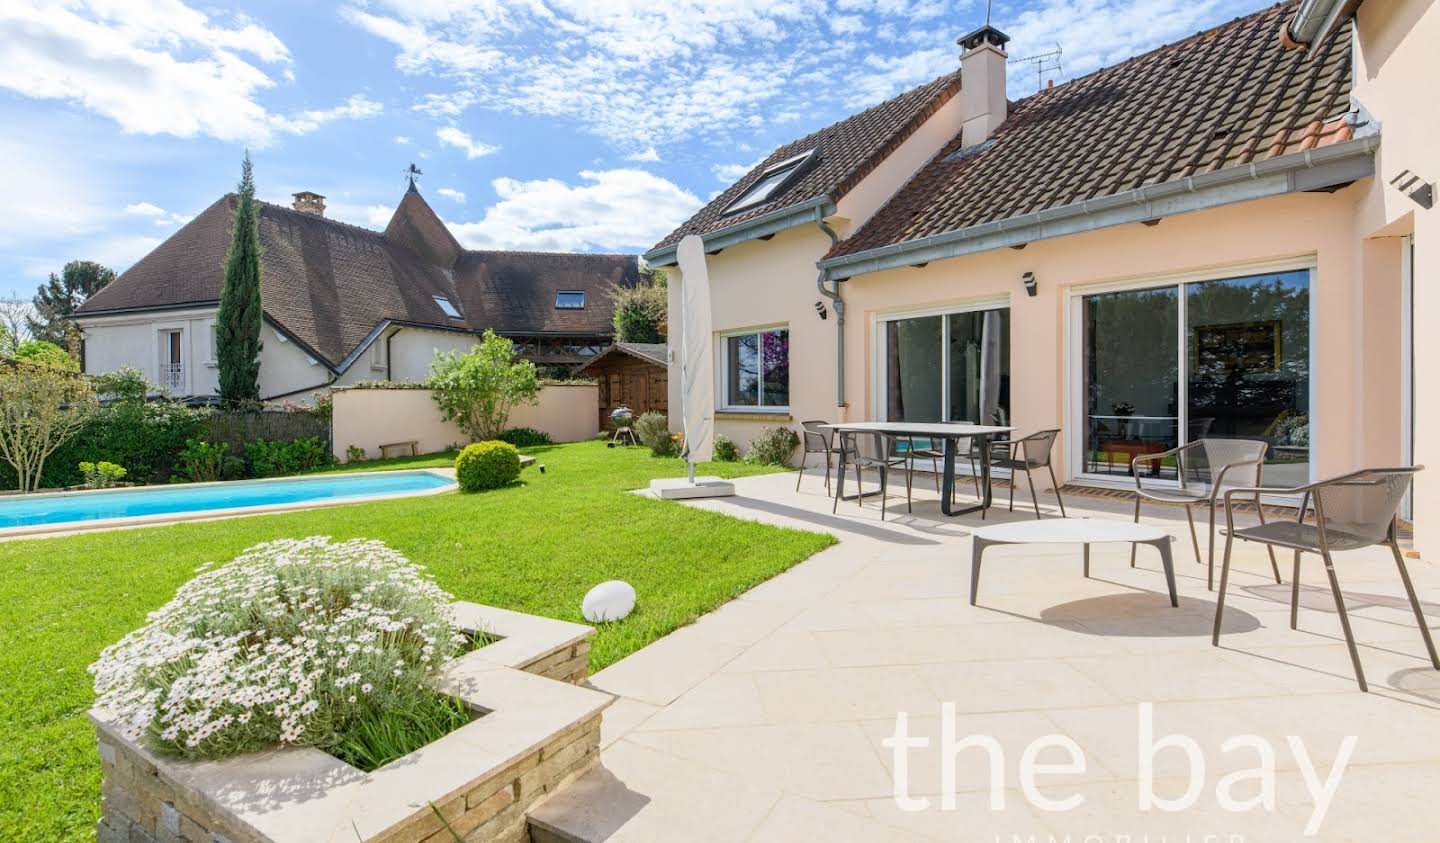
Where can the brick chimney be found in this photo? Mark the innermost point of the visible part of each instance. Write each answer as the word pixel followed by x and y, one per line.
pixel 310 203
pixel 982 83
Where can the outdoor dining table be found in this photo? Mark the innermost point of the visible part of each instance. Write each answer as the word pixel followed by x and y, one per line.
pixel 947 432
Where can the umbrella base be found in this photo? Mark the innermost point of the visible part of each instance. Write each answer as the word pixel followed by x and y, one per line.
pixel 680 488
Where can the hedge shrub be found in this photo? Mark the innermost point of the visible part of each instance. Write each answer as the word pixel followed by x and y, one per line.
pixel 725 449
pixel 145 438
pixel 487 465
pixel 773 446
pixel 653 430
pixel 525 437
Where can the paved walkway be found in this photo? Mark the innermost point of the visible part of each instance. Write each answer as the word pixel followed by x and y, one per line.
pixel 765 720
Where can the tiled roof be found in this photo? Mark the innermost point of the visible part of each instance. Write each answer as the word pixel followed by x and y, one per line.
pixel 1222 98
pixel 847 152
pixel 329 284
pixel 650 352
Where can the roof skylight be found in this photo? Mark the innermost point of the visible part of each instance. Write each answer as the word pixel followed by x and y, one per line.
pixel 446 306
pixel 570 300
pixel 771 181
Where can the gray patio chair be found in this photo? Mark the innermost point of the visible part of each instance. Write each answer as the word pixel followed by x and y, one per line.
pixel 1025 454
pixel 1352 511
pixel 1204 468
pixel 921 448
pixel 815 438
pixel 864 450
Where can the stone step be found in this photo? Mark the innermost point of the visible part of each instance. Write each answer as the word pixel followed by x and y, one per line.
pixel 589 810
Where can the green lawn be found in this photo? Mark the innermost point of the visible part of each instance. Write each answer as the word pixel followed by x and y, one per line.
pixel 536 547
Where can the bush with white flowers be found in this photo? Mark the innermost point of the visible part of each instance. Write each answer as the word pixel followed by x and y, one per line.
pixel 294 642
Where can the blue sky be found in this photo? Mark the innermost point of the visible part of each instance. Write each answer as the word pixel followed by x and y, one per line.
pixel 540 124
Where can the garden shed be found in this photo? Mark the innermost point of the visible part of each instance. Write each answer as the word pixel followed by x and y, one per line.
pixel 630 374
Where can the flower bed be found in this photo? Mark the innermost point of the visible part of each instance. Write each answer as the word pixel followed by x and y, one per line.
pixel 302 655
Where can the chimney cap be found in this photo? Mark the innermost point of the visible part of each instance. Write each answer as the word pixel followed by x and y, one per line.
pixel 307 194
pixel 309 202
pixel 986 34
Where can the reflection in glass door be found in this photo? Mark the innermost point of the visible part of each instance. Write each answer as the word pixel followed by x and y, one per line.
pixel 1243 371
pixel 947 367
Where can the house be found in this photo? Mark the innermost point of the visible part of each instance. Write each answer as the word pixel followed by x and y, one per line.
pixel 345 304
pixel 1231 235
pixel 630 374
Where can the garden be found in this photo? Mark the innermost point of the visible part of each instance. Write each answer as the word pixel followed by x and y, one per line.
pixel 534 546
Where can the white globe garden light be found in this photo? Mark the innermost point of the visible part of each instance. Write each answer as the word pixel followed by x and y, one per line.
pixel 608 601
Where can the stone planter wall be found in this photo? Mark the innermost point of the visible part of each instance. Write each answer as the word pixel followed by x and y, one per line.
pixel 536 736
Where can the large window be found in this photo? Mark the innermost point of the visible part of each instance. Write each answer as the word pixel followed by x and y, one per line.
pixel 947 367
pixel 757 369
pixel 1226 358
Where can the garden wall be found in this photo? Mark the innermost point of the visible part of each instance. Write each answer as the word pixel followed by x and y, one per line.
pixel 368 418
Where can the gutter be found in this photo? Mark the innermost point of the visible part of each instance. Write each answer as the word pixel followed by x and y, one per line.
pixel 770 222
pixel 1314 20
pixel 1312 169
pixel 838 303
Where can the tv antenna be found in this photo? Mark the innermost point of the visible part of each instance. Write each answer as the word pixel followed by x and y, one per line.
pixel 1044 62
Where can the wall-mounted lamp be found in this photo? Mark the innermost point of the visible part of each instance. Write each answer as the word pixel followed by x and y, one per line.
pixel 820 309
pixel 1419 190
pixel 1028 279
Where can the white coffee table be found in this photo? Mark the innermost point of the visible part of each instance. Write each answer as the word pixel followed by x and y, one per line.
pixel 1081 531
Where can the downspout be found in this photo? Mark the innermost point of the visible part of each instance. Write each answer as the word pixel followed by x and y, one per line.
pixel 838 304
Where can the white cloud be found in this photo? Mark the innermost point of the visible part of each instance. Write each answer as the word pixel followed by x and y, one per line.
pixel 358 107
pixel 152 66
pixel 451 136
pixel 445 105
pixel 145 209
pixel 649 154
pixel 730 173
pixel 615 210
pixel 452 194
pixel 374 216
pixel 402 140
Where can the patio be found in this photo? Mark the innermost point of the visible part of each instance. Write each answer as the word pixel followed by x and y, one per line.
pixel 765 720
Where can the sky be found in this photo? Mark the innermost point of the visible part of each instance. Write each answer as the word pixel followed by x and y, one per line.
pixel 575 125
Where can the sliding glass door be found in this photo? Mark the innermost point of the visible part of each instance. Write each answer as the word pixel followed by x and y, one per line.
pixel 1221 358
pixel 946 366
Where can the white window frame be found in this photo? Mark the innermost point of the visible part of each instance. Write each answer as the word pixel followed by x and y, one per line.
pixel 580 293
pixel 723 381
pixel 1074 369
pixel 880 375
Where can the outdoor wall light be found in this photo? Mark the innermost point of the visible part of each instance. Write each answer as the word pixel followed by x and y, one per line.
pixel 1028 279
pixel 1421 192
pixel 820 309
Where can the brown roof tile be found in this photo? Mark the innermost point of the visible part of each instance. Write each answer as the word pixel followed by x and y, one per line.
pixel 329 284
pixel 847 152
pixel 1222 98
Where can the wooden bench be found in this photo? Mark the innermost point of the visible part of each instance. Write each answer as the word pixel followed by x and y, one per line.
pixel 398 449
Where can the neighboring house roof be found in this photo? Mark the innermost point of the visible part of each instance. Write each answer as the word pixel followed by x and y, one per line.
pixel 650 352
pixel 1224 98
pixel 845 153
pixel 331 285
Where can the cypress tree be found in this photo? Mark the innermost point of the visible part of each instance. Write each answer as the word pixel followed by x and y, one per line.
pixel 238 322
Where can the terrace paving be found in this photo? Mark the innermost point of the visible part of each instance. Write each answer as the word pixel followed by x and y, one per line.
pixel 765 719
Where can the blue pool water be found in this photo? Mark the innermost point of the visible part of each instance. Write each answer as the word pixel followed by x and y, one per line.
pixel 64 508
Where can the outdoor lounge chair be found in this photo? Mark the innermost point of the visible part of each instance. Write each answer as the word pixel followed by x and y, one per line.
pixel 1026 454
pixel 871 450
pixel 1352 511
pixel 1203 468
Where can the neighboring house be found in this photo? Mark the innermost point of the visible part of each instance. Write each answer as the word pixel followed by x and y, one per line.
pixel 630 374
pixel 345 304
pixel 1220 237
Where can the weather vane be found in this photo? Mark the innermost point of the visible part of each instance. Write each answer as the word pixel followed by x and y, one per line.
pixel 411 172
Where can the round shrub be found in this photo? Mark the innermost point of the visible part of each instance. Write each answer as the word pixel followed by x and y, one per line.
pixel 773 446
pixel 653 430
pixel 298 641
pixel 487 465
pixel 525 437
pixel 725 449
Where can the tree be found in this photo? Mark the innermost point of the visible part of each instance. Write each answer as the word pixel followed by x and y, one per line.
pixel 641 310
pixel 239 319
pixel 14 325
pixel 40 408
pixel 58 298
pixel 476 390
pixel 42 353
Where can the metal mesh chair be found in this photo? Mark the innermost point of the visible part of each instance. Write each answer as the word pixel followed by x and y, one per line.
pixel 1025 455
pixel 871 450
pixel 916 448
pixel 1352 511
pixel 1204 469
pixel 815 438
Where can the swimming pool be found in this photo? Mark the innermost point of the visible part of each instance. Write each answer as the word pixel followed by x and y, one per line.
pixel 152 503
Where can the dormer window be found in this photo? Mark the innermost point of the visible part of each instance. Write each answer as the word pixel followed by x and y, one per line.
pixel 447 307
pixel 775 178
pixel 570 300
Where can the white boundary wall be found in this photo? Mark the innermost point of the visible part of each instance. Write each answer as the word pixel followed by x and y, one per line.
pixel 369 418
